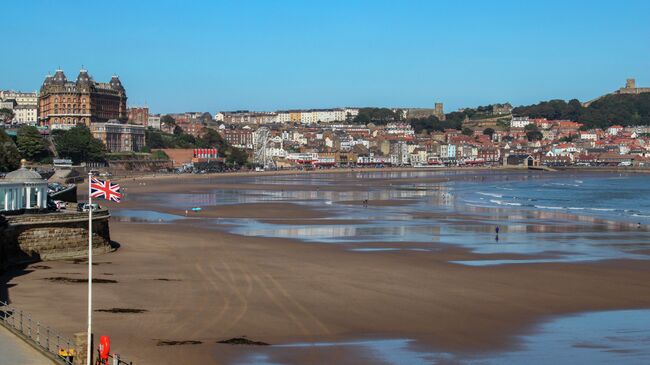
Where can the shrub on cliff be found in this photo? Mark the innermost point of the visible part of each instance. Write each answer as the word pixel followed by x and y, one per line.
pixel 79 145
pixel 9 154
pixel 31 144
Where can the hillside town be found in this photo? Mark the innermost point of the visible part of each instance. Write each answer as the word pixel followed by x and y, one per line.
pixel 324 138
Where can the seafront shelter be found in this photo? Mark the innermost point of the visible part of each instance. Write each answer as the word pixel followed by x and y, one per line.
pixel 23 189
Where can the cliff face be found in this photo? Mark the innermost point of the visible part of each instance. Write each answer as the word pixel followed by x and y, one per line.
pixel 53 236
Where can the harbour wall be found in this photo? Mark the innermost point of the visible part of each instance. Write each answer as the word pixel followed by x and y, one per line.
pixel 51 236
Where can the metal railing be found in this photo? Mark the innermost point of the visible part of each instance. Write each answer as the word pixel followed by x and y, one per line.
pixel 115 360
pixel 33 331
pixel 43 337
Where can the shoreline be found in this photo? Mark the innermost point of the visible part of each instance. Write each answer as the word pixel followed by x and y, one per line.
pixel 147 176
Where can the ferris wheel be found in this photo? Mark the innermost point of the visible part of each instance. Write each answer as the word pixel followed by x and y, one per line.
pixel 261 148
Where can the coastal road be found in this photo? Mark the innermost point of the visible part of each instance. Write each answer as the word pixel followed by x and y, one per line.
pixel 14 351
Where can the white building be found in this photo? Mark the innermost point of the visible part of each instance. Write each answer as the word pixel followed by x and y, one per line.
pixel 330 115
pixel 26 114
pixel 351 112
pixel 362 142
pixel 614 130
pixel 308 157
pixel 589 135
pixel 23 189
pixel 447 151
pixel 154 121
pixel 339 115
pixel 20 97
pixel 26 107
pixel 284 117
pixel 519 122
pixel 306 117
pixel 400 129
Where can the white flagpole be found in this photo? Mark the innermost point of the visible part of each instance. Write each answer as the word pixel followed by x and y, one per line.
pixel 90 270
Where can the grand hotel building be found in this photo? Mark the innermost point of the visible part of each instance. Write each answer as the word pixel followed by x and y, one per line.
pixel 63 104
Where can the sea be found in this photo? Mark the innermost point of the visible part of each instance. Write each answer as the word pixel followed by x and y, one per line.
pixel 540 216
pixel 621 197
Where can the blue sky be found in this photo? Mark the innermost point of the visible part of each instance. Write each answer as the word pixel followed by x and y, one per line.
pixel 266 55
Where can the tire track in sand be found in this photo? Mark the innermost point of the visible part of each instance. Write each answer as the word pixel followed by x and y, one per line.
pixel 243 298
pixel 205 309
pixel 300 307
pixel 281 306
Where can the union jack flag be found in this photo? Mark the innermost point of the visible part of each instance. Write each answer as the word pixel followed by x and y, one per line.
pixel 105 189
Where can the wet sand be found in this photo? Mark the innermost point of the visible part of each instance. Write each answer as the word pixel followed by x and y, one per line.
pixel 378 203
pixel 253 211
pixel 206 285
pixel 216 286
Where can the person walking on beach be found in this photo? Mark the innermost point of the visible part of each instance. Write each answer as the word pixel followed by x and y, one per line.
pixel 496 238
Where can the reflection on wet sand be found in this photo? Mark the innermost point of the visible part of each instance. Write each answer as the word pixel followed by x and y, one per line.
pixel 408 207
pixel 612 337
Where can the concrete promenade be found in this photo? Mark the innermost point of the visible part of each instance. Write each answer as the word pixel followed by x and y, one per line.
pixel 14 351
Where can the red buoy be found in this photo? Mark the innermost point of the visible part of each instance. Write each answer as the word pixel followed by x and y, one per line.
pixel 104 348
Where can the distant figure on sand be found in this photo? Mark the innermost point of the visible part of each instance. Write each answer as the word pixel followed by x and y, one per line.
pixel 365 203
pixel 496 238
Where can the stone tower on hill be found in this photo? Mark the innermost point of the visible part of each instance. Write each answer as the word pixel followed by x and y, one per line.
pixel 438 112
pixel 630 88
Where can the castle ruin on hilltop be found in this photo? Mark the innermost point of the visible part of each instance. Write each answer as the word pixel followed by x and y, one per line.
pixel 630 88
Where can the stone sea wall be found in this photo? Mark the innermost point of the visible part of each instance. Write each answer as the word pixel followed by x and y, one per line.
pixel 51 236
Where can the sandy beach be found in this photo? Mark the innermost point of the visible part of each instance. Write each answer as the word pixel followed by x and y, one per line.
pixel 204 284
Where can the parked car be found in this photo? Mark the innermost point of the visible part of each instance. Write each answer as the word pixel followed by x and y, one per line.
pixel 60 204
pixel 83 207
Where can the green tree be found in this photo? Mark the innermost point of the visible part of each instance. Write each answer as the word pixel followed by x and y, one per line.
pixel 79 145
pixel 503 124
pixel 431 123
pixel 624 109
pixel 362 119
pixel 168 121
pixel 159 155
pixel 237 157
pixel 467 131
pixel 459 117
pixel 530 127
pixel 31 144
pixel 154 138
pixel 534 135
pixel 378 116
pixel 6 114
pixel 488 132
pixel 210 138
pixel 183 140
pixel 9 154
